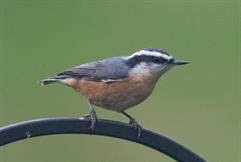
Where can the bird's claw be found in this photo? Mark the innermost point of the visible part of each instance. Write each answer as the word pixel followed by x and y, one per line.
pixel 136 126
pixel 86 116
pixel 93 119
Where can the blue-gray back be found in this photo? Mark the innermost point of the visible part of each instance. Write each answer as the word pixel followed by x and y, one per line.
pixel 108 69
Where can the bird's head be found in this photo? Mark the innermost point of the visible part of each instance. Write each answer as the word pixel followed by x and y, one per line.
pixel 154 60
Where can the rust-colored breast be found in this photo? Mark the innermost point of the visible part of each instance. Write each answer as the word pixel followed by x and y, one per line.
pixel 118 95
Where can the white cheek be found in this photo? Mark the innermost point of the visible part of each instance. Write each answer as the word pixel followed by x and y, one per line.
pixel 140 70
pixel 155 68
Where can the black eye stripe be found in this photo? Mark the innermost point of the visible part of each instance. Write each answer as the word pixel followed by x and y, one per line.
pixel 154 59
pixel 143 58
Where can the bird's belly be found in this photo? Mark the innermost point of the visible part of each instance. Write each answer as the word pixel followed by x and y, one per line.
pixel 118 95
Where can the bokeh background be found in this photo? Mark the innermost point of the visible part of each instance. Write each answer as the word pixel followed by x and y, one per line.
pixel 197 105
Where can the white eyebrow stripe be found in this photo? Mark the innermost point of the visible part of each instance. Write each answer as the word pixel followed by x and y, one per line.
pixel 150 53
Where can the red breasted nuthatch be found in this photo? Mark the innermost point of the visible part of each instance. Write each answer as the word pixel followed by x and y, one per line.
pixel 117 83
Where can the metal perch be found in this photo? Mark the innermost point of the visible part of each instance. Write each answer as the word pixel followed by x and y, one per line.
pixel 51 126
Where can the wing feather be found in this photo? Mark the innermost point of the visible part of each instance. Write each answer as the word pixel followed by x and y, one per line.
pixel 108 70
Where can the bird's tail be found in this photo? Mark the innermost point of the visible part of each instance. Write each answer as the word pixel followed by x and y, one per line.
pixel 51 80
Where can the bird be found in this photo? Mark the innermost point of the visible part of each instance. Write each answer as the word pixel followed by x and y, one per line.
pixel 117 83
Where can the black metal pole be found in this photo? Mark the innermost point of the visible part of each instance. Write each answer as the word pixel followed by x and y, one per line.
pixel 52 126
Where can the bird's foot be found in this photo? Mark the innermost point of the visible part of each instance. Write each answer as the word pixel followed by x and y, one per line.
pixel 86 116
pixel 136 126
pixel 93 119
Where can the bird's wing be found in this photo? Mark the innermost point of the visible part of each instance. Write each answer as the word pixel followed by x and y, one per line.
pixel 108 70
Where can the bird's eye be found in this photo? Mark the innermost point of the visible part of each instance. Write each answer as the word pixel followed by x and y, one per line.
pixel 156 60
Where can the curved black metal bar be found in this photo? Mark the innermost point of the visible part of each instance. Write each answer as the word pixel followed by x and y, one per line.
pixel 52 126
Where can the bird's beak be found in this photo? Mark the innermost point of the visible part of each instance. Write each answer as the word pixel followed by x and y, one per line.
pixel 179 62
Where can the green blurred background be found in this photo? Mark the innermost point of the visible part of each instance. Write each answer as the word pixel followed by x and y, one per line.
pixel 197 105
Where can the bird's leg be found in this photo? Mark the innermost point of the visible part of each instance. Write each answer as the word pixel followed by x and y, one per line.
pixel 92 116
pixel 134 123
